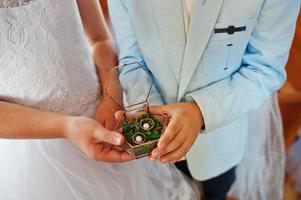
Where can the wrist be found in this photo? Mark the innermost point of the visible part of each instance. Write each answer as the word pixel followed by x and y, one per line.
pixel 199 114
pixel 54 126
pixel 68 124
pixel 115 104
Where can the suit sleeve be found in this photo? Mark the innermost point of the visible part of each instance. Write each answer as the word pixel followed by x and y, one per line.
pixel 134 80
pixel 262 71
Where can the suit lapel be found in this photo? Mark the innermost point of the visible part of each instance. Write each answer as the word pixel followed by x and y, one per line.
pixel 203 19
pixel 170 23
pixel 145 29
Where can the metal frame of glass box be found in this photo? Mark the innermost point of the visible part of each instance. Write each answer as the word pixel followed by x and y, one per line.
pixel 144 149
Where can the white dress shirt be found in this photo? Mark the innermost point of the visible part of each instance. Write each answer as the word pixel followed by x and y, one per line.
pixel 187 7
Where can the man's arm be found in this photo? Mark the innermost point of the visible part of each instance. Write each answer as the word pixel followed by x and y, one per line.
pixel 262 71
pixel 105 58
pixel 98 34
pixel 134 82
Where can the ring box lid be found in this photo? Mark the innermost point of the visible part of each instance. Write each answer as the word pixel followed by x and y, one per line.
pixel 136 83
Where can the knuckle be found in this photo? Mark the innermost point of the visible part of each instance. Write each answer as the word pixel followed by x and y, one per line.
pixel 169 149
pixel 177 123
pixel 167 137
pixel 171 130
pixel 163 152
pixel 173 146
pixel 168 132
pixel 108 137
pixel 102 134
pixel 93 128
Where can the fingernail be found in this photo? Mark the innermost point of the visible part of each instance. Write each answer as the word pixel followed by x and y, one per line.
pixel 117 139
pixel 163 161
pixel 155 154
pixel 152 158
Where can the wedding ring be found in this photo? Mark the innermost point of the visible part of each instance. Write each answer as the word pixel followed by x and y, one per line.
pixel 147 124
pixel 139 138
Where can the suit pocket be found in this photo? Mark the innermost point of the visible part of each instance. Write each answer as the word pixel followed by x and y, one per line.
pixel 226 47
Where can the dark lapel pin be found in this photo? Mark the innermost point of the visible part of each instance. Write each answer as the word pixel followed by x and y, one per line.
pixel 230 30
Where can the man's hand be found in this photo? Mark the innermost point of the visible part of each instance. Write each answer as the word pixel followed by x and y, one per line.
pixel 184 126
pixel 95 141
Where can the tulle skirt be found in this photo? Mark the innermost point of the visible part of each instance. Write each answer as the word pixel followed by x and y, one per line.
pixel 260 175
pixel 57 170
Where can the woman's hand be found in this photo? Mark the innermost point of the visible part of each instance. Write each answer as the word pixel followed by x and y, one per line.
pixel 87 134
pixel 95 141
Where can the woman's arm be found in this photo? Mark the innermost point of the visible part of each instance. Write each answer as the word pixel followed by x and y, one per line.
pixel 105 58
pixel 19 122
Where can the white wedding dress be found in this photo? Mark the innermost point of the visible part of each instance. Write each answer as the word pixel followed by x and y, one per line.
pixel 45 63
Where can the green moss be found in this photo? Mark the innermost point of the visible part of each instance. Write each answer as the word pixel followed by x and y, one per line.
pixel 131 127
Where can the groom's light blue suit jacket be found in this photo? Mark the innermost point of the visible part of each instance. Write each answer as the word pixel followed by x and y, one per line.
pixel 230 62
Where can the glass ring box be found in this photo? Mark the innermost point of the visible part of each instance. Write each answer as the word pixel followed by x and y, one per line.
pixel 140 128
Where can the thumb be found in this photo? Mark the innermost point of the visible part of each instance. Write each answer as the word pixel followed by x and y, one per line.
pixel 111 137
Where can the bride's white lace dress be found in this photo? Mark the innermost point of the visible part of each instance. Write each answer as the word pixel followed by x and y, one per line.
pixel 45 63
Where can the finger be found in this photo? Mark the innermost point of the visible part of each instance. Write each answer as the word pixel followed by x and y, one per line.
pixel 155 109
pixel 114 156
pixel 106 148
pixel 179 153
pixel 111 137
pixel 175 155
pixel 126 157
pixel 152 158
pixel 174 126
pixel 107 153
pixel 175 144
pixel 119 115
pixel 154 154
pixel 119 148
pixel 110 124
pixel 104 124
pixel 122 116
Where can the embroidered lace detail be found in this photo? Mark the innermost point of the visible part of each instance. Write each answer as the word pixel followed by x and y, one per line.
pixel 44 59
pixel 13 3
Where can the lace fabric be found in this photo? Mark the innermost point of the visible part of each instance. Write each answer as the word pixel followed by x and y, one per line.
pixel 45 63
pixel 40 65
pixel 13 3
